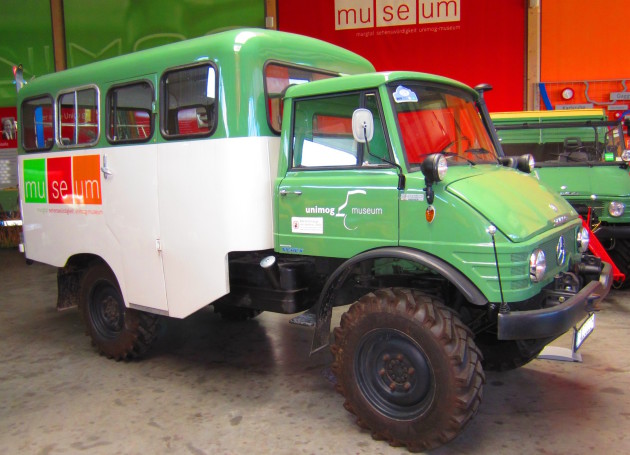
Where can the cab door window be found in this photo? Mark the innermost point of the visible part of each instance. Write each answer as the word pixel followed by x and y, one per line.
pixel 323 136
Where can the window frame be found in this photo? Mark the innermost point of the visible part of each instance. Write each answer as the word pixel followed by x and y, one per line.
pixel 21 129
pixel 163 110
pixel 77 126
pixel 288 65
pixel 361 148
pixel 108 106
pixel 446 89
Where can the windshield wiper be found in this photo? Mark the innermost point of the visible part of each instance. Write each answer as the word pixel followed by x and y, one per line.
pixel 478 151
pixel 455 155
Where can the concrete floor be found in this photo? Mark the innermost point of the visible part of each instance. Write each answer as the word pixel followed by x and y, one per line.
pixel 212 387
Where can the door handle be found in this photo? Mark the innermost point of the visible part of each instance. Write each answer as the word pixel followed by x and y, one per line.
pixel 286 193
pixel 104 169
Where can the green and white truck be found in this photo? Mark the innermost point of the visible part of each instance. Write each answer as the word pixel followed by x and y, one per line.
pixel 259 171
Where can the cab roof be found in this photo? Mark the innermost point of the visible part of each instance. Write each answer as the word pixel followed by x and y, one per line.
pixel 370 80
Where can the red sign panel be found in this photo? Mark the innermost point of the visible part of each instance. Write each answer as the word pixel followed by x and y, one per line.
pixel 473 41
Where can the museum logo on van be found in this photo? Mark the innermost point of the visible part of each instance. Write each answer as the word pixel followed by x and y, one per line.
pixel 70 180
pixel 356 14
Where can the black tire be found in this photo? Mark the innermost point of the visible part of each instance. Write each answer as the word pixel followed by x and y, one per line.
pixel 117 332
pixel 504 355
pixel 226 307
pixel 235 314
pixel 408 368
pixel 620 254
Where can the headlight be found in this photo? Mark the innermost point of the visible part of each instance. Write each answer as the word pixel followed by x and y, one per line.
pixel 434 168
pixel 582 239
pixel 625 155
pixel 537 265
pixel 616 208
pixel 526 163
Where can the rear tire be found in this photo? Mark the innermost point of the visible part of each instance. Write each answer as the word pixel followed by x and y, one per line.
pixel 408 368
pixel 117 332
pixel 504 355
pixel 620 254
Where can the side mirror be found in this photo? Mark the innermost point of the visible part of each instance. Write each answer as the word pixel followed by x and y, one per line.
pixel 482 88
pixel 362 125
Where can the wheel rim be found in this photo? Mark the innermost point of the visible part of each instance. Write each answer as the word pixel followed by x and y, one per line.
pixel 107 311
pixel 394 374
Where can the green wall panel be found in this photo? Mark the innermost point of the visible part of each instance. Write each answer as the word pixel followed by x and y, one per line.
pixel 97 29
pixel 26 38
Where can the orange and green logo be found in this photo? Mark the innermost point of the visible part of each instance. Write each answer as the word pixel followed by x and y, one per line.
pixel 71 180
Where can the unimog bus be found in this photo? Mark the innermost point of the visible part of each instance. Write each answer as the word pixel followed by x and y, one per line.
pixel 252 170
pixel 584 157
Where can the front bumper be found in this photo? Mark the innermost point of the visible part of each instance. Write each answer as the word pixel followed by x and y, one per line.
pixel 554 321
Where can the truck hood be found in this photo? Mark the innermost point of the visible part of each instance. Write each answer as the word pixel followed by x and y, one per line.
pixel 600 181
pixel 518 204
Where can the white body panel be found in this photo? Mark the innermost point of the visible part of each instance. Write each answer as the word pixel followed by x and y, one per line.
pixel 215 197
pixel 170 214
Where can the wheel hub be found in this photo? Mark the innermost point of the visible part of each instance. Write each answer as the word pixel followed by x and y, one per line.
pixel 111 313
pixel 398 371
pixel 107 311
pixel 394 374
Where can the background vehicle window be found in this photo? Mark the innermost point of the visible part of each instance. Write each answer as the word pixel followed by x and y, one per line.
pixel 189 102
pixel 37 124
pixel 130 116
pixel 78 117
pixel 278 78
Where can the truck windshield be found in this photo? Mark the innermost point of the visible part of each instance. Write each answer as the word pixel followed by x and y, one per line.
pixel 433 119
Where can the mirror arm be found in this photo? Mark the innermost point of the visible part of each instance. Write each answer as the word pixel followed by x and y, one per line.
pixel 401 176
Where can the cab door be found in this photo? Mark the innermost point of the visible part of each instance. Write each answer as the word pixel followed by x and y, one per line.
pixel 339 197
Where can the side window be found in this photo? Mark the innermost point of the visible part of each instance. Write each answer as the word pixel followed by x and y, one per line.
pixel 189 102
pixel 130 113
pixel 278 77
pixel 37 124
pixel 323 133
pixel 77 114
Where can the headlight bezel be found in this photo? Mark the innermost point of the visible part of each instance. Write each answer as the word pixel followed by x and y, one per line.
pixel 582 239
pixel 616 209
pixel 537 265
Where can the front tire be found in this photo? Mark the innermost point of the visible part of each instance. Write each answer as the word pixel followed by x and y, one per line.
pixel 117 332
pixel 408 368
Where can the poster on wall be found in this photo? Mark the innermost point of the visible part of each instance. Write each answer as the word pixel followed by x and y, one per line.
pixel 8 117
pixel 473 41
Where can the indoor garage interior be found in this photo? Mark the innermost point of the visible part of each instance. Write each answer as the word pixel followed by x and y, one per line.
pixel 250 381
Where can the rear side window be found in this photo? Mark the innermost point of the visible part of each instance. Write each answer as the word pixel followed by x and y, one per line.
pixel 130 113
pixel 77 116
pixel 37 124
pixel 279 77
pixel 189 102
